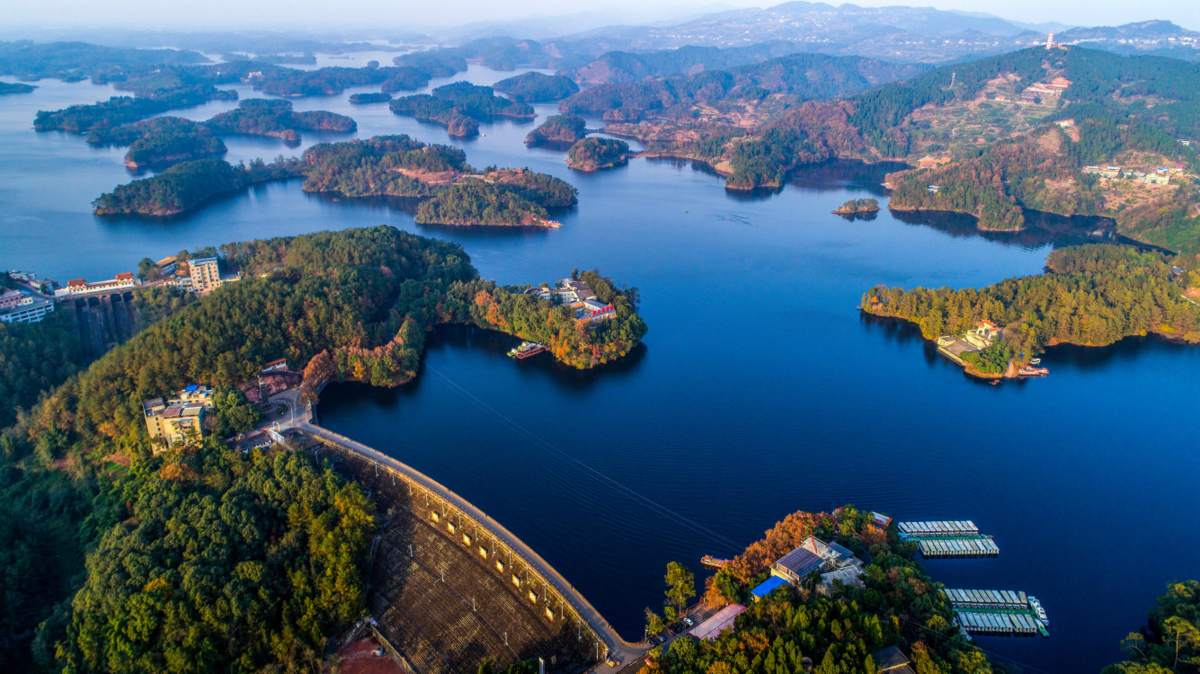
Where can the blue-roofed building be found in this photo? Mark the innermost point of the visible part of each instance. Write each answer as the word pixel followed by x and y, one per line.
pixel 767 586
pixel 191 389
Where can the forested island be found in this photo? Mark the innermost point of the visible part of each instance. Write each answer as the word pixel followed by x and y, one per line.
pixel 535 87
pixel 384 166
pixel 835 629
pixel 456 193
pixel 363 99
pixel 1090 295
pixel 857 207
pixel 458 106
pixel 186 185
pixel 161 140
pixel 593 154
pixel 118 110
pixel 15 88
pixel 565 129
pixel 274 118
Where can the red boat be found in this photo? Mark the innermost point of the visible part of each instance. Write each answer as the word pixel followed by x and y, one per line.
pixel 709 560
pixel 1030 371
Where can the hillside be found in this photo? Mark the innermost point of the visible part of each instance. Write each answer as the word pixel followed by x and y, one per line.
pixel 995 136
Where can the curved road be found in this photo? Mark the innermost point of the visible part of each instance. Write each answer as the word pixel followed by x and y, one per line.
pixel 622 650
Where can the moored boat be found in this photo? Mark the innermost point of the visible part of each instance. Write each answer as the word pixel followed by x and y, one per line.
pixel 1030 371
pixel 526 349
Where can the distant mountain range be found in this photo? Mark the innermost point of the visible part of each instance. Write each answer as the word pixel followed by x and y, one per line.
pixel 920 34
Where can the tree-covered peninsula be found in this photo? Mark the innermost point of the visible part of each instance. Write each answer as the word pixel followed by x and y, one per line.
pixel 807 626
pixel 535 87
pixel 274 118
pixel 186 185
pixel 575 342
pixel 1093 295
pixel 593 154
pixel 565 129
pixel 285 540
pixel 455 193
pixel 160 141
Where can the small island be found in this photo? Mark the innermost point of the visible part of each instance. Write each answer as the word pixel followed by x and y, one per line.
pixel 189 184
pixel 1092 295
pixel 160 141
pixel 15 88
pixel 857 207
pixel 455 193
pixel 535 87
pixel 457 106
pixel 276 119
pixel 363 99
pixel 593 154
pixel 565 129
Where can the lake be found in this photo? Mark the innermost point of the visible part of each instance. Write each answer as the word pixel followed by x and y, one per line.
pixel 759 390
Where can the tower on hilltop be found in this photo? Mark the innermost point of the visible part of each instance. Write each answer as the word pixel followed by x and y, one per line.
pixel 1050 41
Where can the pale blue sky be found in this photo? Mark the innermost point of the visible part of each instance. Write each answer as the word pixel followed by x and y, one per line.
pixel 321 14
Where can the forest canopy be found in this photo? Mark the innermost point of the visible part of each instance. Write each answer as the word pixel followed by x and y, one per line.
pixel 1092 295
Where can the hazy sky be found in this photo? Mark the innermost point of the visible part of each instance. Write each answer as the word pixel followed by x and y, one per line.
pixel 320 14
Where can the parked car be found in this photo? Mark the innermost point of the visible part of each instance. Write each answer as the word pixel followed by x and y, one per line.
pixel 688 621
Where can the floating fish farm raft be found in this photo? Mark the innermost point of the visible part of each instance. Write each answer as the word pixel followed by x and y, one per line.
pixel 959 538
pixel 997 612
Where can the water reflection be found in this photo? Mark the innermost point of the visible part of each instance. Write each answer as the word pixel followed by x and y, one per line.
pixel 1041 229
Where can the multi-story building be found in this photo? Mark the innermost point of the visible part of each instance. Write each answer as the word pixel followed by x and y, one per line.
pixel 22 307
pixel 180 417
pixel 205 273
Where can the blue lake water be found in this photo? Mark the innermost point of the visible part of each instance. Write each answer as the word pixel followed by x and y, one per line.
pixel 760 389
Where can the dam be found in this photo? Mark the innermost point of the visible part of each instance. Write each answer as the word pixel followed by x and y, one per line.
pixel 450 588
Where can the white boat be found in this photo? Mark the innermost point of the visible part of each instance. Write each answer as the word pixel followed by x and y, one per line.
pixel 1036 361
pixel 1037 608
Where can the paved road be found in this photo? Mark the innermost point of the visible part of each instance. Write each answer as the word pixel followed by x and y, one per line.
pixel 624 651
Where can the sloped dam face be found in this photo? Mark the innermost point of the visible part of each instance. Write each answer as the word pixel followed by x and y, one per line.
pixel 448 594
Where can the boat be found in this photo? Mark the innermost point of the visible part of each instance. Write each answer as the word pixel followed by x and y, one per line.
pixel 526 349
pixel 1036 361
pixel 1037 608
pixel 709 560
pixel 1030 371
